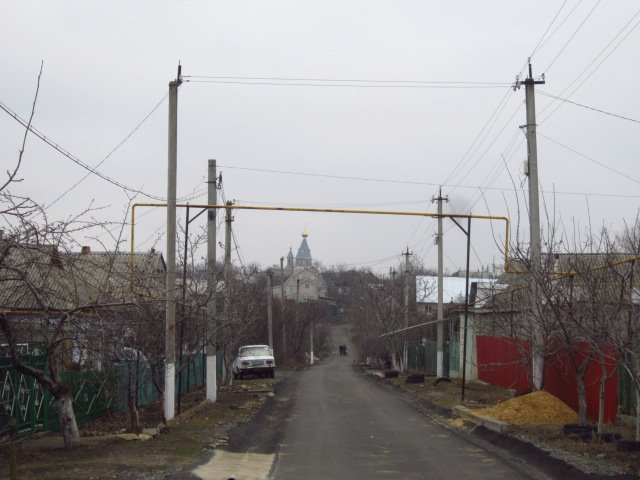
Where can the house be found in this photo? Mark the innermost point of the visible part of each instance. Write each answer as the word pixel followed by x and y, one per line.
pixel 585 303
pixel 453 289
pixel 48 296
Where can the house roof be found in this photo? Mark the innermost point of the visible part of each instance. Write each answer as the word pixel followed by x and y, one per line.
pixel 453 288
pixel 34 277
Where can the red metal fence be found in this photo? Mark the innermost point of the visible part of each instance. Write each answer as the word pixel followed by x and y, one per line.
pixel 506 362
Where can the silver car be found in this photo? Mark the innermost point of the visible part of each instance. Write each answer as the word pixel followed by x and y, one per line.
pixel 254 360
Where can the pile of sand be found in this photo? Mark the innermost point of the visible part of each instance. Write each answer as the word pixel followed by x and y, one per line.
pixel 534 408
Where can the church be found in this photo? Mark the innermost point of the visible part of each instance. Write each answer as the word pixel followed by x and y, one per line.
pixel 302 282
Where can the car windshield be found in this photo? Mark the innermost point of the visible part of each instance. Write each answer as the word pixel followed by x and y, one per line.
pixel 254 351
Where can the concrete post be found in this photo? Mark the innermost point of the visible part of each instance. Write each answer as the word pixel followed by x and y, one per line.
pixel 170 314
pixel 211 333
pixel 534 229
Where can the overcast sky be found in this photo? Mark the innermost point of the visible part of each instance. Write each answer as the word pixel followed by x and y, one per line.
pixel 391 139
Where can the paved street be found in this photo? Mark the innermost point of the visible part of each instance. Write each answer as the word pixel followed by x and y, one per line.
pixel 342 425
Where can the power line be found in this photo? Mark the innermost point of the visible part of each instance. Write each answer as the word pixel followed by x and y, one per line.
pixel 112 151
pixel 73 158
pixel 352 85
pixel 596 58
pixel 90 169
pixel 343 80
pixel 540 44
pixel 588 107
pixel 408 182
pixel 589 158
pixel 572 35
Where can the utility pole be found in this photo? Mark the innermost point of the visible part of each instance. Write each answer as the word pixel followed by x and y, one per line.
pixel 211 336
pixel 311 325
pixel 227 271
pixel 170 313
pixel 393 273
pixel 407 270
pixel 227 261
pixel 284 329
pixel 270 307
pixel 534 228
pixel 442 365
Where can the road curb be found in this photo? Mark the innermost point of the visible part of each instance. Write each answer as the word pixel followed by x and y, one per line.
pixel 490 423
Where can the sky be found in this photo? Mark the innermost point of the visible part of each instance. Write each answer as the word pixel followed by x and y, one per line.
pixel 370 105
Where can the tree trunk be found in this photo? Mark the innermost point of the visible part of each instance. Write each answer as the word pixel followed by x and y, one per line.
pixel 601 393
pixel 582 392
pixel 67 420
pixel 133 411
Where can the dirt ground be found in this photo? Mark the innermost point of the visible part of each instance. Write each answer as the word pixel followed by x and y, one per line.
pixel 590 457
pixel 106 451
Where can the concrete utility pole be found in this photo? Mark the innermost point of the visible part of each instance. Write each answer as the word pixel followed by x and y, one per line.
pixel 442 365
pixel 170 313
pixel 270 307
pixel 393 273
pixel 407 284
pixel 311 325
pixel 227 262
pixel 284 329
pixel 534 228
pixel 212 340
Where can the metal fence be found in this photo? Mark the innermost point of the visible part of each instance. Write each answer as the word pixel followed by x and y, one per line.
pixel 94 392
pixel 424 356
pixel 33 408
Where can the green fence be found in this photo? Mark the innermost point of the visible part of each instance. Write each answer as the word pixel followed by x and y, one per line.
pixel 24 399
pixel 94 392
pixel 424 356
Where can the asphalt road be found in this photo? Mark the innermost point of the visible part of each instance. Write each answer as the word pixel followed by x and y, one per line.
pixel 330 422
pixel 343 426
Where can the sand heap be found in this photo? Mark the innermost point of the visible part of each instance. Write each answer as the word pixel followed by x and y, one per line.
pixel 534 408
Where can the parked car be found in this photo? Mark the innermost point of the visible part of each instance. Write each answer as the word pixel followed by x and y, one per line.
pixel 254 360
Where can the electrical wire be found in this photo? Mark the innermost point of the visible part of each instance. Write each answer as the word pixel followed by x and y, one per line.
pixel 75 159
pixel 572 36
pixel 353 85
pixel 589 158
pixel 343 80
pixel 408 182
pixel 99 164
pixel 588 107
pixel 540 44
pixel 595 59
